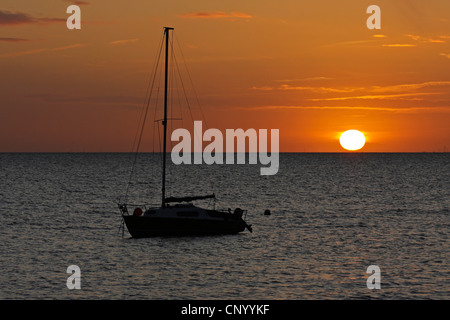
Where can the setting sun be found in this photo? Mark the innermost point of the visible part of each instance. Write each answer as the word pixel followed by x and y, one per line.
pixel 352 140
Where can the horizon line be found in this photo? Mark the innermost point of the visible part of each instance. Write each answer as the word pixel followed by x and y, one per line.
pixel 159 152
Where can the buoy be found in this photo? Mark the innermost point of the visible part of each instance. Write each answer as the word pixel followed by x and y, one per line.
pixel 137 212
pixel 267 212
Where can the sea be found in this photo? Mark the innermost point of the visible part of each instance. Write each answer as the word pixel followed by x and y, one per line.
pixel 342 226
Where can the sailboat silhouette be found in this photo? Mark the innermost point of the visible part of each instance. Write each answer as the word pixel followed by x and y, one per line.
pixel 177 216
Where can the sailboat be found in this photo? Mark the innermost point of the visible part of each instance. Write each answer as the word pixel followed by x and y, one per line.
pixel 178 216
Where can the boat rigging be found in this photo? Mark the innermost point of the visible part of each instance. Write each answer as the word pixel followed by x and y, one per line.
pixel 178 216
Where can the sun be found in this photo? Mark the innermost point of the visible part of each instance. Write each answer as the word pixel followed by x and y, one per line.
pixel 352 140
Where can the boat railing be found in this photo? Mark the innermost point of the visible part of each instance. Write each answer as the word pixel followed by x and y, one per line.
pixel 244 212
pixel 124 207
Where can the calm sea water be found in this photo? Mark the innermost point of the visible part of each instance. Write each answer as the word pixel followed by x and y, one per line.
pixel 333 215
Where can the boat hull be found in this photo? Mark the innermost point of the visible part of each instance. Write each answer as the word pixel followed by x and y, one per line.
pixel 148 226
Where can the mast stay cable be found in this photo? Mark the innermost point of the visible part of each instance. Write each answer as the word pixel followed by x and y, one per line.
pixel 143 117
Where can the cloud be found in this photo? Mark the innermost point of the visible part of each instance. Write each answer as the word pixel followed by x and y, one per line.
pixel 70 46
pixel 318 89
pixel 216 15
pixel 307 88
pixel 78 3
pixel 10 18
pixel 306 79
pixel 409 86
pixel 13 39
pixel 21 53
pixel 399 88
pixel 399 45
pixel 265 88
pixel 447 55
pixel 348 43
pixel 18 18
pixel 423 39
pixel 34 51
pixel 424 91
pixel 50 20
pixel 417 39
pixel 232 58
pixel 120 42
pixel 388 109
pixel 401 96
pixel 121 101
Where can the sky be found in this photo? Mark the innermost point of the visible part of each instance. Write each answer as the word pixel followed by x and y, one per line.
pixel 311 69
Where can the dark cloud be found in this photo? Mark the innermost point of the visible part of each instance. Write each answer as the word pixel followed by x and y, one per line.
pixel 78 3
pixel 17 18
pixel 13 39
pixel 10 18
pixel 215 15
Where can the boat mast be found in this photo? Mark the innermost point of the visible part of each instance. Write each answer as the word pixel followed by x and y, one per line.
pixel 166 33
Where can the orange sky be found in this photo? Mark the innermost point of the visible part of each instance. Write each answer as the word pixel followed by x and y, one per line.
pixel 311 69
